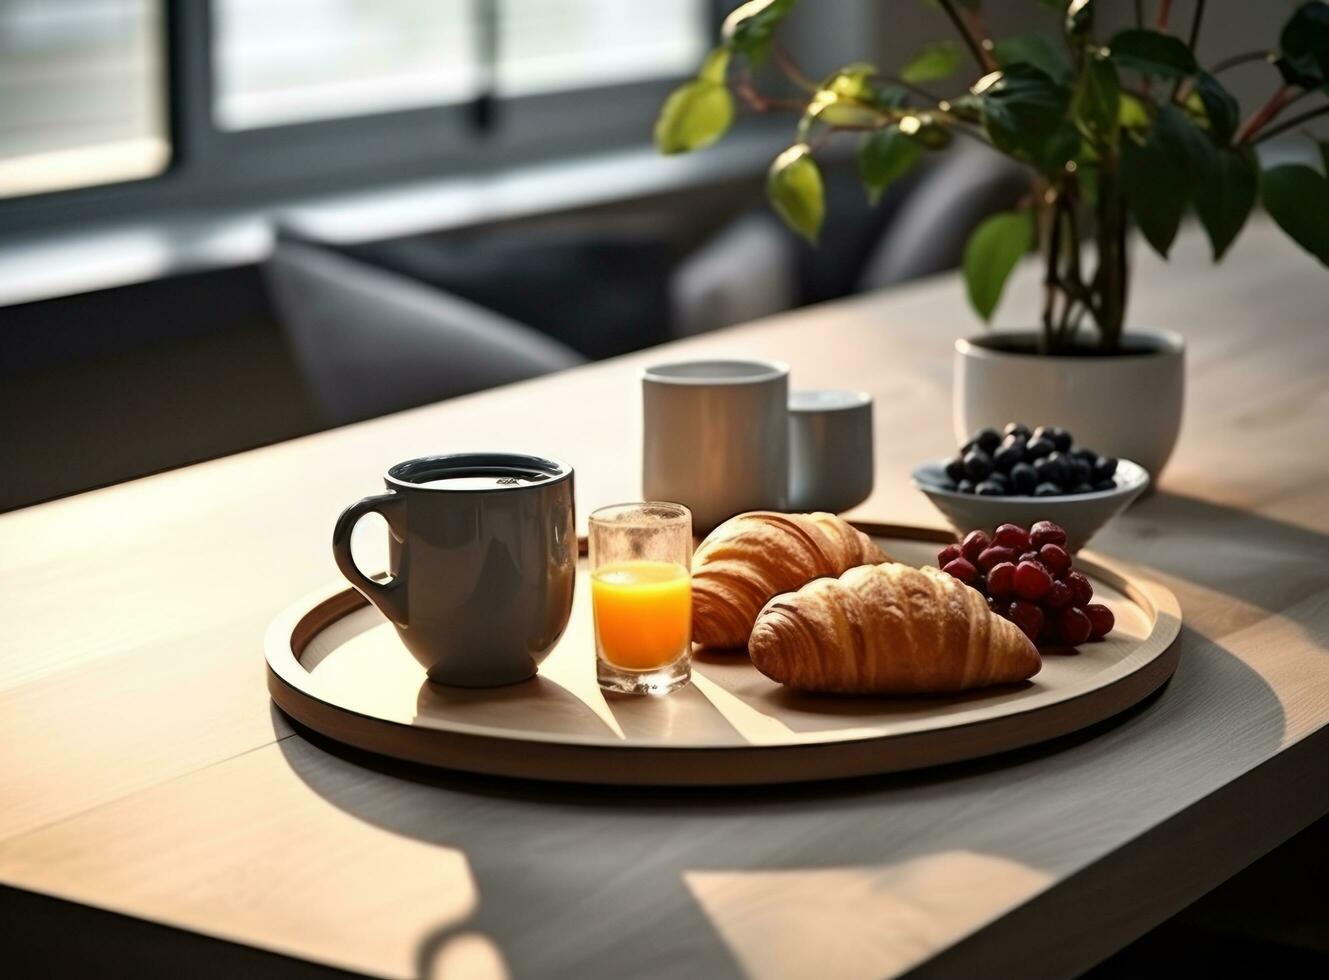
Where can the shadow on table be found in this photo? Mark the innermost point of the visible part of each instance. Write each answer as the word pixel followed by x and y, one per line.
pixel 574 878
pixel 1258 561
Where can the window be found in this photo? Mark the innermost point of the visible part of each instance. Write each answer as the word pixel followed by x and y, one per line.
pixel 302 60
pixel 556 45
pixel 255 100
pixel 81 91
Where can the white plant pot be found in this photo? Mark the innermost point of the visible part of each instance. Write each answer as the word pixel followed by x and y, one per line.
pixel 1127 404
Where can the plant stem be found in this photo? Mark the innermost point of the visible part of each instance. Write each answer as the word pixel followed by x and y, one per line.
pixel 1238 59
pixel 1051 281
pixel 982 56
pixel 1195 33
pixel 1264 114
pixel 1195 24
pixel 1291 123
pixel 1139 13
pixel 911 87
pixel 1164 9
pixel 791 71
pixel 1110 281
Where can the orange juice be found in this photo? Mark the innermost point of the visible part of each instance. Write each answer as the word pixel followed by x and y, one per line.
pixel 643 613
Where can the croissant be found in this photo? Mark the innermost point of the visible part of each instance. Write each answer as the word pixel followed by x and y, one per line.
pixel 889 629
pixel 754 557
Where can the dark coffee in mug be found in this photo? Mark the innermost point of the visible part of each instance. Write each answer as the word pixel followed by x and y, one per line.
pixel 483 556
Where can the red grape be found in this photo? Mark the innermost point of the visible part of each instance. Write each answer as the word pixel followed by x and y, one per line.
pixel 1001 580
pixel 1032 580
pixel 948 554
pixel 999 606
pixel 962 569
pixel 1073 626
pixel 1081 590
pixel 1011 536
pixel 1028 617
pixel 1101 620
pixel 975 543
pixel 1030 556
pixel 1055 558
pixel 1045 532
pixel 1058 596
pixel 994 556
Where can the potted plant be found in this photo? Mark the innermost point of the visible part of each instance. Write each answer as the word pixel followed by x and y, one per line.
pixel 1118 131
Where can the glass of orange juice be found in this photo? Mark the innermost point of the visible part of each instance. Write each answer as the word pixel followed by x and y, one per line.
pixel 641 593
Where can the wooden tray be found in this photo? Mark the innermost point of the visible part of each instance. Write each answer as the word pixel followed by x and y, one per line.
pixel 336 666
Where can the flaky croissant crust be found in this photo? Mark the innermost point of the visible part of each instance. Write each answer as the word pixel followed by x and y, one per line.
pixel 889 629
pixel 750 558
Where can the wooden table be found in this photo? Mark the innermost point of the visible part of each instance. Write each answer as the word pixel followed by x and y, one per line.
pixel 143 771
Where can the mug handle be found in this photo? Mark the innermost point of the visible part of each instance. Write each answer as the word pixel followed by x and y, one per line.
pixel 390 597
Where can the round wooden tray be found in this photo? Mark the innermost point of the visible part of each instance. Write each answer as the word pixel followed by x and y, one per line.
pixel 336 666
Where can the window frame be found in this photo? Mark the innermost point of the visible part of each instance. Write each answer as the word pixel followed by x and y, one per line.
pixel 211 168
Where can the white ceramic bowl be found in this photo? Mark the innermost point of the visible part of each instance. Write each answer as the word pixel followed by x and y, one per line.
pixel 1081 514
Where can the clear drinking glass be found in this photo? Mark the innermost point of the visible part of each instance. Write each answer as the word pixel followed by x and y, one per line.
pixel 641 593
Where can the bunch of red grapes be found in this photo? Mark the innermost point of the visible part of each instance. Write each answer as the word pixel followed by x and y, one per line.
pixel 1027 578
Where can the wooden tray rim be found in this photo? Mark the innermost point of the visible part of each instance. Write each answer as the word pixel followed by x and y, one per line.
pixel 293 629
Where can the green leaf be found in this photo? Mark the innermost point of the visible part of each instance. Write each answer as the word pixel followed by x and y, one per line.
pixel 1152 53
pixel 750 27
pixel 993 250
pixel 1220 108
pixel 715 66
pixel 1025 115
pixel 884 157
pixel 794 187
pixel 1186 145
pixel 1132 112
pixel 1305 45
pixel 1224 199
pixel 1324 156
pixel 836 110
pixel 923 128
pixel 1038 50
pixel 1161 175
pixel 1298 199
pixel 1096 103
pixel 1079 17
pixel 933 63
pixel 695 115
pixel 853 81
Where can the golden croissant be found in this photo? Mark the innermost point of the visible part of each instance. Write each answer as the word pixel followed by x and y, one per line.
pixel 751 558
pixel 889 629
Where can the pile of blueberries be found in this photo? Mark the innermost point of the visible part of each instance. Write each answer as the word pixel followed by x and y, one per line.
pixel 1022 462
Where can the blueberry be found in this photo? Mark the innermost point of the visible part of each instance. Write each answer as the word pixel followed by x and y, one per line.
pixel 1008 456
pixel 1024 478
pixel 987 440
pixel 1081 471
pixel 977 464
pixel 1102 485
pixel 1104 468
pixel 1038 448
pixel 1050 469
pixel 1016 429
pixel 955 469
pixel 1088 455
pixel 1001 480
pixel 1047 490
pixel 1081 488
pixel 1061 439
pixel 1041 432
pixel 965 486
pixel 989 489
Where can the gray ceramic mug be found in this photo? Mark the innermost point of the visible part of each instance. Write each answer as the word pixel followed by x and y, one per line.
pixel 483 554
pixel 716 437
